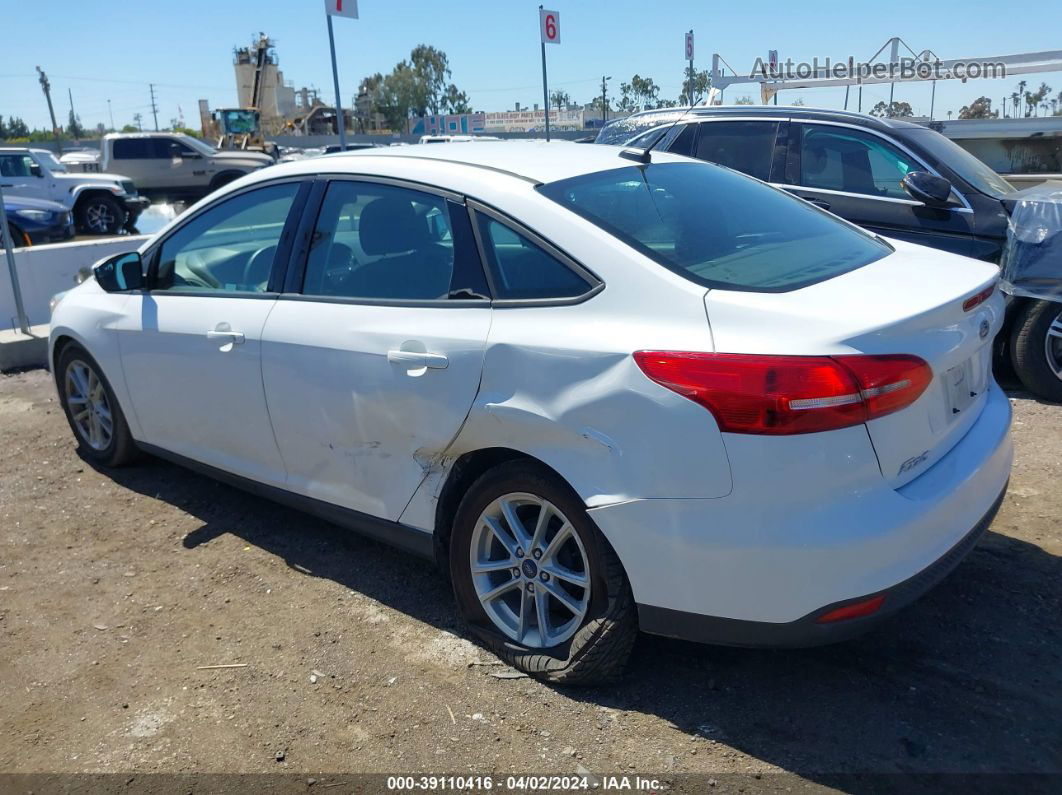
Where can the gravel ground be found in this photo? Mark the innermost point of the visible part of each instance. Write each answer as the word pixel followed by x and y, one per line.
pixel 117 586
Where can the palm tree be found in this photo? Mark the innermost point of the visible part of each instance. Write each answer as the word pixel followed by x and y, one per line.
pixel 1021 93
pixel 1014 101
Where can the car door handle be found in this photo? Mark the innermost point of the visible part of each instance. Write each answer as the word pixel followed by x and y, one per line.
pixel 7 184
pixel 433 361
pixel 235 337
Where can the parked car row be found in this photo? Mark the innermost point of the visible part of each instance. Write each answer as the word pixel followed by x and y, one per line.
pixel 100 203
pixel 606 390
pixel 897 179
pixel 161 165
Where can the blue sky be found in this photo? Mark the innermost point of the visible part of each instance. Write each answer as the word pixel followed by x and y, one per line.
pixel 105 50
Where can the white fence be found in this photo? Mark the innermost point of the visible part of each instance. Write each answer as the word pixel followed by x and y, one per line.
pixel 44 271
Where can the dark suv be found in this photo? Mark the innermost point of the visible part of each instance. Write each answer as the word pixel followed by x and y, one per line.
pixel 893 177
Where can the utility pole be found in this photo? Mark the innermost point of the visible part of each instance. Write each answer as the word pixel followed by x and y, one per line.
pixel 154 107
pixel 932 100
pixel 47 88
pixel 137 118
pixel 604 98
pixel 111 114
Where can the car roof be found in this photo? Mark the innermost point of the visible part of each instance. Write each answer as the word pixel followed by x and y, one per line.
pixel 776 111
pixel 532 161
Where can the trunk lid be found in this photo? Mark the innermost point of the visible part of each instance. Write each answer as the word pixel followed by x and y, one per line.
pixel 908 302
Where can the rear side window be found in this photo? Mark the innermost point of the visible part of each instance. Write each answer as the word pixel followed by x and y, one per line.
pixel 524 270
pixel 746 146
pixel 133 149
pixel 718 228
pixel 377 241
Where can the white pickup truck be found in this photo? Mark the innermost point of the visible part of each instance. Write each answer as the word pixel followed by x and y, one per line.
pixel 174 165
pixel 101 203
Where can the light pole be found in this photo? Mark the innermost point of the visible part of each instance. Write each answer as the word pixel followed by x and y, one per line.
pixel 604 98
pixel 111 114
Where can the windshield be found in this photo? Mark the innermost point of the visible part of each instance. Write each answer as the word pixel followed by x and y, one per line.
pixel 622 130
pixel 978 175
pixel 717 227
pixel 198 145
pixel 51 162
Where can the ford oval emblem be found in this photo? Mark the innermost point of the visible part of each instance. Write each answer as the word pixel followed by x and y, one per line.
pixel 985 328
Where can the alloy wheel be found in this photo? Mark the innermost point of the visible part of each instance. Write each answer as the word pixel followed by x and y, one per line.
pixel 99 218
pixel 88 404
pixel 530 570
pixel 1053 346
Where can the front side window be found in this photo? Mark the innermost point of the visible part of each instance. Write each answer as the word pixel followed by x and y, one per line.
pixel 377 241
pixel 523 270
pixel 16 165
pixel 716 227
pixel 229 247
pixel 746 146
pixel 838 158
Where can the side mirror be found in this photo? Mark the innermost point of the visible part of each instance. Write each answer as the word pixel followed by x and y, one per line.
pixel 120 272
pixel 927 188
pixel 35 170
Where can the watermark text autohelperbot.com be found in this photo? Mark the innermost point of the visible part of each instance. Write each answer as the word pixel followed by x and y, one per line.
pixel 849 68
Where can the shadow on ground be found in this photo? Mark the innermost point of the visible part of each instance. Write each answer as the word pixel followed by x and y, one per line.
pixel 965 681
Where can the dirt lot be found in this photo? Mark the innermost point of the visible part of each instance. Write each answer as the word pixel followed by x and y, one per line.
pixel 115 586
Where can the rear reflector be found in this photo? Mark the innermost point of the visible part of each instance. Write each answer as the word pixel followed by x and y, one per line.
pixel 977 300
pixel 781 395
pixel 856 610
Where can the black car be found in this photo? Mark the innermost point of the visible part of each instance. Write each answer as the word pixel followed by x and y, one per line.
pixel 896 178
pixel 35 221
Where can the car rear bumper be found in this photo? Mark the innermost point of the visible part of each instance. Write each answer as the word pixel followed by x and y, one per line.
pixel 761 566
pixel 808 630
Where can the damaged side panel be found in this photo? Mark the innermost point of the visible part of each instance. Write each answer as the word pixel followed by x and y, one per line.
pixel 563 388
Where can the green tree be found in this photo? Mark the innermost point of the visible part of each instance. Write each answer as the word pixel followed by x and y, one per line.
pixel 73 126
pixel 746 100
pixel 980 108
pixel 897 110
pixel 128 128
pixel 702 81
pixel 432 69
pixel 559 99
pixel 16 128
pixel 455 101
pixel 415 87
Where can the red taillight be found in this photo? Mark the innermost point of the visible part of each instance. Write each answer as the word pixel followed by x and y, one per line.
pixel 856 610
pixel 977 300
pixel 780 395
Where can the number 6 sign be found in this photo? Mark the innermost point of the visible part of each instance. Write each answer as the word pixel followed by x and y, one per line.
pixel 550 23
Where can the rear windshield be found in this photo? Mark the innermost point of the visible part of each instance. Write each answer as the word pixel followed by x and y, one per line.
pixel 717 227
pixel 621 131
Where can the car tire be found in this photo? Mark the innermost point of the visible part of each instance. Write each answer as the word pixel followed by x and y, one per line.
pixel 84 388
pixel 1036 348
pixel 598 648
pixel 99 214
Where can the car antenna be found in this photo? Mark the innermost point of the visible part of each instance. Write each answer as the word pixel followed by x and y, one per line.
pixel 643 155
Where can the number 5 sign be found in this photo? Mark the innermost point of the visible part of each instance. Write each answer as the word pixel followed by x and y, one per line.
pixel 550 22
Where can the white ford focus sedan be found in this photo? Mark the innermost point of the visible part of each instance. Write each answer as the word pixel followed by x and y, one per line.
pixel 605 391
